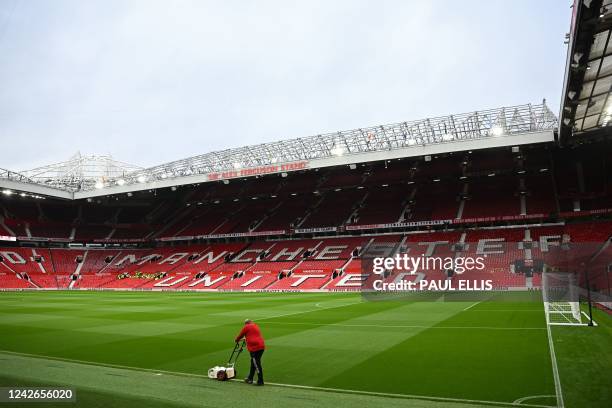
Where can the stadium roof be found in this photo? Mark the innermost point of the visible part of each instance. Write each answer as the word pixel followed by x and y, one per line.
pixel 586 107
pixel 506 126
pixel 80 171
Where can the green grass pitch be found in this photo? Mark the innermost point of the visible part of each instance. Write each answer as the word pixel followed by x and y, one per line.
pixel 153 349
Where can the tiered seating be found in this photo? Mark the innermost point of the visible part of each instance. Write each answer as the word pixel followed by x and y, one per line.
pixel 95 260
pixel 4 231
pixel 284 265
pixel 383 205
pixel 134 231
pixel 213 219
pixel 11 281
pixel 301 281
pixel 319 266
pixel 18 226
pixel 20 260
pixel 342 178
pixel 94 281
pixel 126 283
pixel 492 197
pixel 334 210
pixel 47 281
pixel 272 267
pixel 250 281
pixel 50 229
pixel 438 201
pixel 540 198
pixel 92 232
pixel 64 260
pixel 291 209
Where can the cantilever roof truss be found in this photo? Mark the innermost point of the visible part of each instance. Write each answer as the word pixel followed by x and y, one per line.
pixel 504 126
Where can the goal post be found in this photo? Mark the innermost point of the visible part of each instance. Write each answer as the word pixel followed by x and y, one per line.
pixel 561 296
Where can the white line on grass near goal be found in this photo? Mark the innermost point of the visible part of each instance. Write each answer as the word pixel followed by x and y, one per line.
pixel 307 387
pixel 553 357
pixel 527 398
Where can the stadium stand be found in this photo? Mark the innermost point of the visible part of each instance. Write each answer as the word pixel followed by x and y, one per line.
pixel 306 230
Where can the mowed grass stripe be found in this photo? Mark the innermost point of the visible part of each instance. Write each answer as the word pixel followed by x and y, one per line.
pixel 342 350
pixel 197 390
pixel 476 364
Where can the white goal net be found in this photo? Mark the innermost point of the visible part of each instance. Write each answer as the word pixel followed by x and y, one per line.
pixel 561 299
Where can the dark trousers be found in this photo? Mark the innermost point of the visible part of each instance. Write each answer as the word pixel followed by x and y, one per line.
pixel 256 366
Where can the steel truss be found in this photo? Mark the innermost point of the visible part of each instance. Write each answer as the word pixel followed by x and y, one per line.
pixel 506 121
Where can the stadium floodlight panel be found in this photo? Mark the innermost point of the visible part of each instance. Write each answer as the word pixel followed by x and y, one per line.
pixel 521 124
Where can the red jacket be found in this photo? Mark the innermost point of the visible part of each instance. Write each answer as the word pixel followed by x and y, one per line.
pixel 252 334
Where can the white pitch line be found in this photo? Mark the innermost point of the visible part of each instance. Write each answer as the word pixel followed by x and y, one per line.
pixel 553 357
pixel 409 326
pixel 588 318
pixel 521 400
pixel 307 387
pixel 404 396
pixel 308 311
pixel 472 305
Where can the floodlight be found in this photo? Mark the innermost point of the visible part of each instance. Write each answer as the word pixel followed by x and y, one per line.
pixel 7 192
pixel 337 150
pixel 120 182
pixel 497 131
pixel 141 179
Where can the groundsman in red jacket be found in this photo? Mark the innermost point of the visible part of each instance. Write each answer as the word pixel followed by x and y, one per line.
pixel 256 346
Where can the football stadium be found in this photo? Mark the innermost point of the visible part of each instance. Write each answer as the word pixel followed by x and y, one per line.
pixel 462 260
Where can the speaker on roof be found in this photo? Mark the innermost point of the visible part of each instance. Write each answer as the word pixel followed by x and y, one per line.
pixel 79 259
